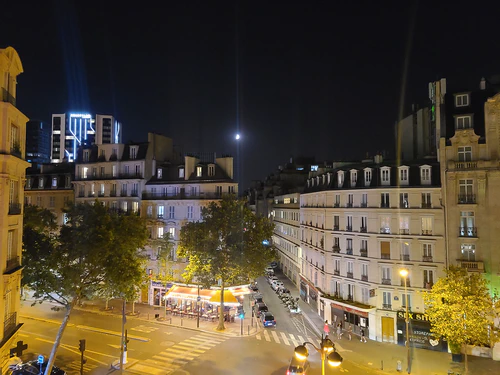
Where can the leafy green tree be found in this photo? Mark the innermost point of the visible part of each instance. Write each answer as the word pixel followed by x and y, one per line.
pixel 96 249
pixel 166 265
pixel 461 309
pixel 227 247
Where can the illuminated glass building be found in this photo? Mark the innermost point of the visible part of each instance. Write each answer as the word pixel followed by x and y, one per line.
pixel 72 130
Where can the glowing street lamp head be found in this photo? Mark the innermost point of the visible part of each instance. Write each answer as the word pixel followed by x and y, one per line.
pixel 403 272
pixel 301 352
pixel 237 137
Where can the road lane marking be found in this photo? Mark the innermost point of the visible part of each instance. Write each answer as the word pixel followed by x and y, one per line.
pixel 266 336
pixel 113 333
pixel 69 348
pixel 275 336
pixel 295 342
pixel 285 340
pixel 301 339
pixel 258 337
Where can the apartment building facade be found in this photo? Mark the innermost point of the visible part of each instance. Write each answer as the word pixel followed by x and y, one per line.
pixel 12 171
pixel 174 196
pixel 286 217
pixel 360 225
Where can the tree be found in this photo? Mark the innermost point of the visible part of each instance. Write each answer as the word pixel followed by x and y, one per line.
pixel 229 246
pixel 166 270
pixel 461 309
pixel 96 249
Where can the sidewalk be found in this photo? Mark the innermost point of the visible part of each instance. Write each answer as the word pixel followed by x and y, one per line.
pixel 384 356
pixel 147 313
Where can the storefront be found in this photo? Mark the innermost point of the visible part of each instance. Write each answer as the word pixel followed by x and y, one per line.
pixel 309 293
pixel 419 332
pixel 349 315
pixel 157 293
pixel 303 290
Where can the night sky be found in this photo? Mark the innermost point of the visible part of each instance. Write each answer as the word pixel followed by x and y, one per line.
pixel 312 78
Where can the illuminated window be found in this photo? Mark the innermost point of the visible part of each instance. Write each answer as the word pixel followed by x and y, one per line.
pixel 85 172
pixel 403 175
pixel 198 171
pixel 340 178
pixel 159 173
pixel 171 231
pixel 135 207
pixel 354 177
pixel 160 232
pixel 385 175
pixel 461 100
pixel 54 181
pixel 425 175
pixel 468 251
pixel 463 122
pixel 368 176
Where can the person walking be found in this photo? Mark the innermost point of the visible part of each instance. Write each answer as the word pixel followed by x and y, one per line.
pixel 349 332
pixel 326 328
pixel 363 338
pixel 339 331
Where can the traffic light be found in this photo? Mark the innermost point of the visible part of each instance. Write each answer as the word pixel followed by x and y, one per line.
pixel 82 345
pixel 242 314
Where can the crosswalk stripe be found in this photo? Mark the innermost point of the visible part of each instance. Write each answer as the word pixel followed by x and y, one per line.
pixel 178 360
pixel 198 344
pixel 177 356
pixel 178 351
pixel 266 336
pixel 202 341
pixel 295 342
pixel 258 337
pixel 285 340
pixel 275 336
pixel 212 337
pixel 188 347
pixel 301 339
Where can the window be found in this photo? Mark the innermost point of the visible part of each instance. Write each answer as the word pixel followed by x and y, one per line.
pixel 387 300
pixel 426 200
pixel 364 200
pixel 465 153
pixel 461 100
pixel 427 226
pixel 348 220
pixel 354 177
pixel 133 152
pixel 28 183
pixel 349 246
pixel 363 247
pixel 10 244
pixel 194 191
pixel 103 172
pixel 466 192
pixel 39 201
pixel 385 250
pixel 403 175
pixel 340 178
pixel 124 190
pixel 198 171
pixel 171 232
pixel 337 200
pixel 364 224
pixel 94 172
pixel 428 279
pixel 138 170
pixel 171 212
pixel 125 206
pixel 404 225
pixel 218 190
pixel 463 122
pixel 127 170
pixel 406 298
pixel 364 270
pixel 113 190
pixel 52 202
pixel 427 252
pixel 85 172
pixel 405 251
pixel 181 172
pixel 211 170
pixel 149 211
pixel 81 191
pixel 14 139
pixel 190 212
pixel 384 200
pixel 368 176
pixel 467 227
pixel 403 200
pixel 385 175
pixel 54 182
pixel 336 222
pixel 86 155
pixel 160 232
pixel 468 251
pixel 135 207
pixel 103 154
pixel 114 171
pixel 365 296
pixel 385 224
pixel 386 275
pixel 161 212
pixel 350 268
pixel 350 200
pixel 425 175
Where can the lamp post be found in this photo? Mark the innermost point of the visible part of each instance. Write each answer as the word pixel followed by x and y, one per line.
pixel 404 275
pixel 198 308
pixel 326 350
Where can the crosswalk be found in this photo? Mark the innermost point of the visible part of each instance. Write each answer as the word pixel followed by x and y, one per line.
pixel 280 337
pixel 185 351
pixel 74 367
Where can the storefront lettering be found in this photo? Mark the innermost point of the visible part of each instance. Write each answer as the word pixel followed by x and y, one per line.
pixel 413 316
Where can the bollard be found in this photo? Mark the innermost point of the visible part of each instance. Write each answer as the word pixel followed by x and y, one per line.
pixel 181 321
pixel 399 366
pixel 248 330
pixel 381 364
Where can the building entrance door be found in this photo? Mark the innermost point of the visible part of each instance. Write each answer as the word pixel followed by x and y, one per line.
pixel 387 329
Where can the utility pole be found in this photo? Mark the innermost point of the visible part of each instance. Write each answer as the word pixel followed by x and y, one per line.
pixel 198 308
pixel 124 319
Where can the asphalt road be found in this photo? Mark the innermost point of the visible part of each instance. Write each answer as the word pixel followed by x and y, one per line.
pixel 157 349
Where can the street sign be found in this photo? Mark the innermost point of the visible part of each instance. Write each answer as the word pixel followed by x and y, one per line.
pixel 40 359
pixel 198 298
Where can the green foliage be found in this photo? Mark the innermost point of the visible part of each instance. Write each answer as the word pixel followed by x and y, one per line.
pixel 166 270
pixel 461 309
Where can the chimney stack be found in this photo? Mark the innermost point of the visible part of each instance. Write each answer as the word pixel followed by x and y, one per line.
pixel 482 84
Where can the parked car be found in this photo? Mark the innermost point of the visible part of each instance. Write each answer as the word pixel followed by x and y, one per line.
pixel 269 270
pixel 271 278
pixel 277 284
pixel 298 367
pixel 253 287
pixel 33 368
pixel 274 264
pixel 260 308
pixel 267 319
pixel 258 299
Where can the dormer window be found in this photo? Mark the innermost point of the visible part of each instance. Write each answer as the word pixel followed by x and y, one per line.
pixel 159 173
pixel 385 175
pixel 86 155
pixel 181 172
pixel 54 182
pixel 329 177
pixel 198 171
pixel 463 122
pixel 461 100
pixel 67 181
pixel 28 183
pixel 354 177
pixel 211 170
pixel 403 175
pixel 103 154
pixel 133 152
pixel 340 178
pixel 40 183
pixel 425 174
pixel 324 179
pixel 368 176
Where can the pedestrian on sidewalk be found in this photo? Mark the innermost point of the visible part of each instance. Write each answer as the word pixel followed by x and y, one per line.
pixel 349 332
pixel 326 328
pixel 339 331
pixel 363 338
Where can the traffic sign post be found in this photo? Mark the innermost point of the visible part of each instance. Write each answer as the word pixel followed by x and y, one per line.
pixel 82 359
pixel 40 362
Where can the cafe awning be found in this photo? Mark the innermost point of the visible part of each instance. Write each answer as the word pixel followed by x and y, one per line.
pixel 189 293
pixel 229 298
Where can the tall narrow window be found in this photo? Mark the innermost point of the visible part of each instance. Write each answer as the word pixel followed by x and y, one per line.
pixel 465 153
pixel 467 224
pixel 403 200
pixel 426 200
pixel 466 191
pixel 427 226
pixel 198 171
pixel 368 176
pixel 181 172
pixel 387 300
pixel 468 251
pixel 385 224
pixel 384 200
pixel 385 250
pixel 211 170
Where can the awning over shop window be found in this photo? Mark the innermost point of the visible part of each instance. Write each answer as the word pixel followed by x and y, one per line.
pixel 190 293
pixel 229 298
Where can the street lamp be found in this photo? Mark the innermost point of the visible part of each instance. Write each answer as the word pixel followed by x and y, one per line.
pixel 404 274
pixel 326 350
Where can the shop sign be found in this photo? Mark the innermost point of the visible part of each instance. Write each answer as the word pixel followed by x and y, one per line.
pixel 413 316
pixel 350 310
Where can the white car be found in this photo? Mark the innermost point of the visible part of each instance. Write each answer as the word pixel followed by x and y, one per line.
pixel 277 284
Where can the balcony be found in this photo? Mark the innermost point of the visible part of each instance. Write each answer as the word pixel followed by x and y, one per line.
pixel 363 252
pixel 467 232
pixel 427 258
pixel 472 266
pixel 109 176
pixel 404 231
pixel 405 257
pixel 14 208
pixel 336 248
pixel 386 281
pixel 350 298
pixel 426 205
pixel 426 232
pixel 385 230
pixel 336 227
pixel 165 196
pixel 336 205
pixel 363 204
pixel 364 277
pixel 7 97
pixel 112 194
pixel 428 285
pixel 466 199
pixel 466 165
pixel 350 275
pixel 12 264
pixel 90 194
pixel 384 205
pixel 408 283
pixel 348 228
pixel 100 194
pixel 348 205
pixel 385 256
pixel 9 324
pixel 363 229
pixel 348 251
pixel 81 194
pixel 387 306
pixel 336 272
pixel 134 193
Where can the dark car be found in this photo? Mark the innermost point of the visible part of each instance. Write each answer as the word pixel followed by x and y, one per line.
pixel 259 308
pixel 297 367
pixel 267 319
pixel 33 368
pixel 253 287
